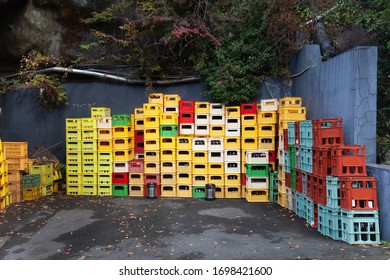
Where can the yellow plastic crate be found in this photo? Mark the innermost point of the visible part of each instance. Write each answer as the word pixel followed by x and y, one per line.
pixel 171 100
pixel 89 189
pixel 88 124
pixel 89 134
pixel 90 178
pixel 104 146
pixel 73 146
pixel 267 130
pixel 72 168
pixel 151 122
pixel 249 119
pixel 104 190
pixel 104 134
pixel 168 143
pixel 199 179
pixel 282 199
pixel 257 195
pixel 167 166
pixel 90 145
pixel 233 111
pixel 290 102
pixel 136 178
pixel 100 112
pixel 123 155
pixel 138 113
pixel 167 155
pixel 168 190
pixel 40 169
pixel 151 167
pixel 200 157
pixel 249 143
pixel 104 157
pixel 122 143
pixel 183 178
pixel 47 189
pixel 267 143
pixel 73 179
pixel 217 130
pixel 202 107
pixel 90 168
pixel 184 190
pixel 219 192
pixel 217 180
pixel 216 168
pixel 249 131
pixel 169 119
pixel 47 179
pixel 136 190
pixel 153 156
pixel 152 109
pixel 72 124
pixel 233 179
pixel 183 155
pixel 89 157
pixel 151 144
pixel 232 143
pixel 199 169
pixel 121 132
pixel 233 192
pixel 151 133
pixel 73 135
pixel 292 114
pixel 267 118
pixel 32 193
pixel 139 124
pixel 73 189
pixel 156 98
pixel 168 179
pixel 184 166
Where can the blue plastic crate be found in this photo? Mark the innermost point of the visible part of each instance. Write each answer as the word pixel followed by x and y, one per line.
pixel 291 133
pixel 360 227
pixel 332 192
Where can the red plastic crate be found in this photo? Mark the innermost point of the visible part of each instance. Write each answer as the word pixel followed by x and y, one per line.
pixel 152 178
pixel 119 178
pixel 285 139
pixel 310 185
pixel 322 161
pixel 138 135
pixel 298 183
pixel 349 161
pixel 248 109
pixel 186 117
pixel 136 166
pixel 358 193
pixel 271 155
pixel 315 225
pixel 158 190
pixel 328 132
pixel 243 179
pixel 187 106
pixel 297 134
pixel 287 178
pixel 139 147
pixel 319 189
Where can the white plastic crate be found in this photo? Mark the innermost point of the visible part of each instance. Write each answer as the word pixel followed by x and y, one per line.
pixel 202 119
pixel 216 156
pixel 232 155
pixel 232 167
pixel 268 105
pixel 257 183
pixel 257 156
pixel 216 144
pixel 202 130
pixel 281 141
pixel 171 109
pixel 104 122
pixel 121 166
pixel 232 123
pixel 186 129
pixel 232 132
pixel 217 109
pixel 217 119
pixel 199 144
pixel 281 155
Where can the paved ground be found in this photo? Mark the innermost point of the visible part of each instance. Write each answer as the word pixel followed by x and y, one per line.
pixel 120 228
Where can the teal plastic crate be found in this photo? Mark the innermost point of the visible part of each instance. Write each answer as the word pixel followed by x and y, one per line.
pixel 332 192
pixel 273 180
pixel 31 181
pixel 300 205
pixel 199 192
pixel 287 165
pixel 120 190
pixel 306 133
pixel 309 208
pixel 168 130
pixel 121 120
pixel 273 195
pixel 257 170
pixel 291 133
pixel 329 222
pixel 360 227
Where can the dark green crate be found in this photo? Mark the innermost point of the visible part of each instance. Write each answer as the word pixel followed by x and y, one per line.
pixel 257 170
pixel 292 151
pixel 168 130
pixel 273 195
pixel 121 120
pixel 199 192
pixel 273 180
pixel 120 190
pixel 293 179
pixel 31 180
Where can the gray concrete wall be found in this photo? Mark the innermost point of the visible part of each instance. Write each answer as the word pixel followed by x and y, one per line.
pixel 344 86
pixel 382 175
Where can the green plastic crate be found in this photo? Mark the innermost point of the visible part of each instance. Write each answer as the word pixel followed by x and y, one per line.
pixel 121 120
pixel 293 179
pixel 292 152
pixel 199 192
pixel 168 130
pixel 31 180
pixel 257 170
pixel 273 180
pixel 120 190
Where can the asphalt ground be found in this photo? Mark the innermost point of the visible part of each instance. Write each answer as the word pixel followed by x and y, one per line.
pixel 61 227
